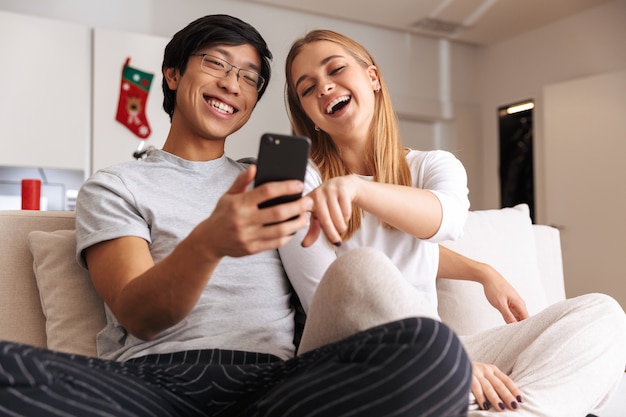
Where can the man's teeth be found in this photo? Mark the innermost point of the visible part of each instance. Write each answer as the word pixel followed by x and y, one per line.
pixel 332 104
pixel 222 107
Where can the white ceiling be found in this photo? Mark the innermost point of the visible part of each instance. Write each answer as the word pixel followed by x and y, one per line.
pixel 481 22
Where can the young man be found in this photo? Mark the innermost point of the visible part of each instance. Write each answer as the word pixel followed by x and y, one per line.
pixel 198 305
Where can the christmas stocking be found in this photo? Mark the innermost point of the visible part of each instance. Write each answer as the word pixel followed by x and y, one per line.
pixel 131 108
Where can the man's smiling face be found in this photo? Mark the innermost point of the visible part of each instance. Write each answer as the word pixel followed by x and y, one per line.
pixel 214 106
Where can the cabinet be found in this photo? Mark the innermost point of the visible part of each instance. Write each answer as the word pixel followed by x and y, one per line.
pixel 45 103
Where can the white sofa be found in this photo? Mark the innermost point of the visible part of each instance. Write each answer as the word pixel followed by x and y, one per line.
pixel 47 300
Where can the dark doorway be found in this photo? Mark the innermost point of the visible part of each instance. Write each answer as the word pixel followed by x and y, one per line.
pixel 517 182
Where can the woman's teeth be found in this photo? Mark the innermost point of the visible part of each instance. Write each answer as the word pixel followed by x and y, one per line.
pixel 339 100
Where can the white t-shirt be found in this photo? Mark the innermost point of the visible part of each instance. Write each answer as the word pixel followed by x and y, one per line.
pixel 418 259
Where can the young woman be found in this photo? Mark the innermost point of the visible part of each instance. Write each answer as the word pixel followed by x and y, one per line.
pixel 369 191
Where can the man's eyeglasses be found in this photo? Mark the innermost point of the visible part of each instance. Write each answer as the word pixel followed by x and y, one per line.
pixel 221 68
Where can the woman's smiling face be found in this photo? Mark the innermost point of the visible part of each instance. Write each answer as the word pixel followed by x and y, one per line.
pixel 334 89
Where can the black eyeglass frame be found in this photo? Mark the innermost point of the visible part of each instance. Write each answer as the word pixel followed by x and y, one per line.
pixel 224 72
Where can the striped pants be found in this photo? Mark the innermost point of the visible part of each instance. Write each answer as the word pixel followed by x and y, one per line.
pixel 411 367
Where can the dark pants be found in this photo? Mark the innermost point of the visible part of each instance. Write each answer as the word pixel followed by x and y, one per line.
pixel 413 367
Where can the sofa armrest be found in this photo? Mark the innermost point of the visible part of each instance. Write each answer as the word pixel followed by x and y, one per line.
pixel 549 257
pixel 21 316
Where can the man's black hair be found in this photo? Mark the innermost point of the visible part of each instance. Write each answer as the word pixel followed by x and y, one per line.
pixel 207 31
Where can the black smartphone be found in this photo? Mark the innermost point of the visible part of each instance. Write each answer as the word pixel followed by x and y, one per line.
pixel 281 157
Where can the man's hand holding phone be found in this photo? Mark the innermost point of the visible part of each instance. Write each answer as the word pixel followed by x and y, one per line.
pixel 237 227
pixel 288 203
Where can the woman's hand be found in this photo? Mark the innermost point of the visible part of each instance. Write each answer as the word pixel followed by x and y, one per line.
pixel 503 296
pixel 332 208
pixel 499 292
pixel 493 389
pixel 396 205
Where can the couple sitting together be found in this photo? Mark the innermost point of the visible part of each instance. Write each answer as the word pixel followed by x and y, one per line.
pixel 198 281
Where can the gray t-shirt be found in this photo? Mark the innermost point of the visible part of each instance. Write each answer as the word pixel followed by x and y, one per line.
pixel 246 303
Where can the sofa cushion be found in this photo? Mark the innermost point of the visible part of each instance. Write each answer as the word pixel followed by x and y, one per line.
pixel 73 309
pixel 503 238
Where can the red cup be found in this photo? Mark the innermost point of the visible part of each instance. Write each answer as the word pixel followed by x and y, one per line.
pixel 31 194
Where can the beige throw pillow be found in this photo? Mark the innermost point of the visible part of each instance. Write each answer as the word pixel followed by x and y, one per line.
pixel 73 309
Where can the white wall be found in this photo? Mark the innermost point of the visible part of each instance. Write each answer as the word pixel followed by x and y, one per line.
pixel 412 67
pixel 466 136
pixel 480 79
pixel 592 42
pixel 585 133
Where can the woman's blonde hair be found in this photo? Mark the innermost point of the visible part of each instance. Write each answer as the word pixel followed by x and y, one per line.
pixel 387 160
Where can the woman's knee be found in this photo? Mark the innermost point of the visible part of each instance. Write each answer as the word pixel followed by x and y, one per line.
pixel 600 305
pixel 365 272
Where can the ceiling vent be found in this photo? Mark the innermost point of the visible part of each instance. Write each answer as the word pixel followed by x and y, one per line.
pixel 438 26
